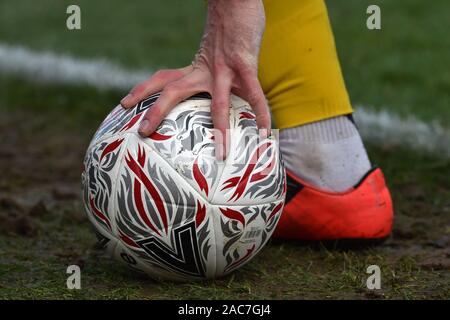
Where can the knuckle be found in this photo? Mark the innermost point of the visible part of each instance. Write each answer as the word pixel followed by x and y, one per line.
pixel 243 64
pixel 160 74
pixel 219 107
pixel 171 89
pixel 255 97
pixel 248 72
pixel 139 88
pixel 155 112
pixel 237 59
pixel 263 120
pixel 220 103
pixel 220 66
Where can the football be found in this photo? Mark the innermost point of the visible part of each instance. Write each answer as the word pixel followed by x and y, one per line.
pixel 164 205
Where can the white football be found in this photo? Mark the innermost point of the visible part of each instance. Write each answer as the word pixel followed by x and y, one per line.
pixel 165 206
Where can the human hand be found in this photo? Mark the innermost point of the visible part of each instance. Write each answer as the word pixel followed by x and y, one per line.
pixel 227 62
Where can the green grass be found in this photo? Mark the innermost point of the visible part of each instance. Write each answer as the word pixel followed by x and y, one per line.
pixel 45 129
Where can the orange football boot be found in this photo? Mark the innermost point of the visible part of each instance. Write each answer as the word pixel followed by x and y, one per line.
pixel 364 212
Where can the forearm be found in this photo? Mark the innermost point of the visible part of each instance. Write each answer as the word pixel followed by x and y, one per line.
pixel 234 28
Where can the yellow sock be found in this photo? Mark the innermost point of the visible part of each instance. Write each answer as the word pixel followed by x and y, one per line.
pixel 299 68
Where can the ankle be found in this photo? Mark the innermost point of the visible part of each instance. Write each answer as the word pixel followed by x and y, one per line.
pixel 327 154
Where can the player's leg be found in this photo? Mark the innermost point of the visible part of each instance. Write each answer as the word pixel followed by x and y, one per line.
pixel 332 191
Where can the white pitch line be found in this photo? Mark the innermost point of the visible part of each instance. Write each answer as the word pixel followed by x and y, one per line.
pixel 49 67
pixel 385 127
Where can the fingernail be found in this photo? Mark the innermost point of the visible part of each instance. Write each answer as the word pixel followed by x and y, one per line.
pixel 144 127
pixel 125 99
pixel 264 133
pixel 219 153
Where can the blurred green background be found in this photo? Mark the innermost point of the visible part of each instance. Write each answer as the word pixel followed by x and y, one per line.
pixel 402 67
